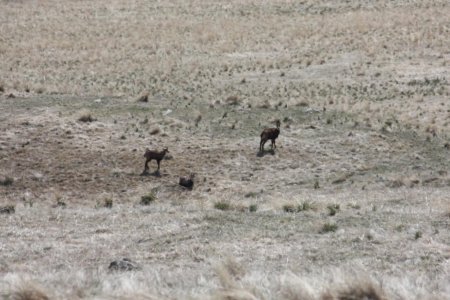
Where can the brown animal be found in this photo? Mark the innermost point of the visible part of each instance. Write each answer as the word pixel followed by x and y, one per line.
pixel 156 155
pixel 269 134
pixel 187 182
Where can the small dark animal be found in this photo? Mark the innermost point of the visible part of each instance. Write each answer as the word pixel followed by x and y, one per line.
pixel 269 134
pixel 187 182
pixel 156 155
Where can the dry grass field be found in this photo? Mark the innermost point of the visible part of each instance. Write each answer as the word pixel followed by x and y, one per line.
pixel 353 204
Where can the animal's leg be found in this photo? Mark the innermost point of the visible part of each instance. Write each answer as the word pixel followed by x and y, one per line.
pixel 146 166
pixel 158 161
pixel 261 145
pixel 273 144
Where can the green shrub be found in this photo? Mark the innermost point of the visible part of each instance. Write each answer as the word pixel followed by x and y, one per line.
pixel 253 208
pixel 333 209
pixel 222 205
pixel 328 227
pixel 6 181
pixel 147 199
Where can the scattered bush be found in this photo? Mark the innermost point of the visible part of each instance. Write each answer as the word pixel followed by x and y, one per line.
pixel 328 227
pixel 8 209
pixel 86 118
pixel 155 131
pixel 253 208
pixel 6 181
pixel 147 199
pixel 251 195
pixel 418 235
pixel 143 98
pixel 60 203
pixel 232 100
pixel 108 203
pixel 291 208
pixel 305 206
pixel 221 205
pixel 333 209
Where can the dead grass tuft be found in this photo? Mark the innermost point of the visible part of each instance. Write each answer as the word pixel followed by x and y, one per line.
pixel 7 209
pixel 222 205
pixel 155 131
pixel 6 181
pixel 28 291
pixel 143 98
pixel 328 227
pixel 356 291
pixel 232 100
pixel 147 199
pixel 86 117
pixel 229 272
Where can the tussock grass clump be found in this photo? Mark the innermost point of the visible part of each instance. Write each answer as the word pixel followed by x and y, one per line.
pixel 418 235
pixel 155 131
pixel 7 209
pixel 143 98
pixel 328 227
pixel 356 291
pixel 6 181
pixel 305 206
pixel 27 291
pixel 291 208
pixel 253 208
pixel 147 199
pixel 86 117
pixel 232 100
pixel 333 209
pixel 108 203
pixel 222 205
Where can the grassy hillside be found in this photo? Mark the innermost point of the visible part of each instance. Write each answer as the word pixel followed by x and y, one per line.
pixel 353 203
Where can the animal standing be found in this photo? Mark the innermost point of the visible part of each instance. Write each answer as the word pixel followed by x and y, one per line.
pixel 156 155
pixel 269 134
pixel 187 182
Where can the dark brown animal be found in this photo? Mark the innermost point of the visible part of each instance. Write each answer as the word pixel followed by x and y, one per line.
pixel 187 182
pixel 269 134
pixel 156 155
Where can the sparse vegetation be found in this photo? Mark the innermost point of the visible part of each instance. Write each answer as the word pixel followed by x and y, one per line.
pixel 108 203
pixel 418 235
pixel 253 208
pixel 7 209
pixel 360 86
pixel 86 118
pixel 328 227
pixel 6 181
pixel 333 209
pixel 148 199
pixel 222 205
pixel 292 208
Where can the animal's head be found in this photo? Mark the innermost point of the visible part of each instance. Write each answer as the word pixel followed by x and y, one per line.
pixel 146 151
pixel 192 176
pixel 166 150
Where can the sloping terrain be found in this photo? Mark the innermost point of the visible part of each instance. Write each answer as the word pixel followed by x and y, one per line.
pixel 353 201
